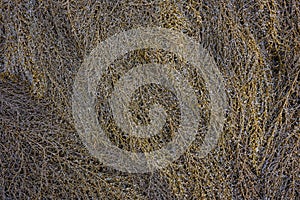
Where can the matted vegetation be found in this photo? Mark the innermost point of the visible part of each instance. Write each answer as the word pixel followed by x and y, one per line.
pixel 256 47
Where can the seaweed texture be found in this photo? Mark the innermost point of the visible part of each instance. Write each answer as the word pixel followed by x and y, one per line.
pixel 256 47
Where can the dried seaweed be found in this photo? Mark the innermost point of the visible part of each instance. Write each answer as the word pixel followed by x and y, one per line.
pixel 256 47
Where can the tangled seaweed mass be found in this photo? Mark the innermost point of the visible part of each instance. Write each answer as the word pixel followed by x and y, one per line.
pixel 149 99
